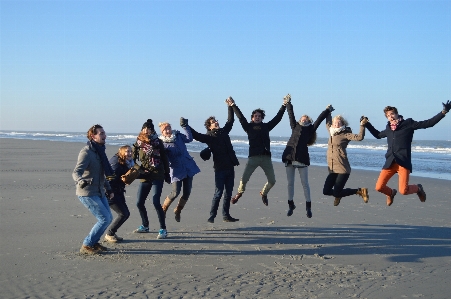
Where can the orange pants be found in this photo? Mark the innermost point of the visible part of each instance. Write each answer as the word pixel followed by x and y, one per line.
pixel 386 175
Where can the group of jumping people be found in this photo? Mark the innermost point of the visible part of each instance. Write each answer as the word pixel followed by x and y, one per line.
pixel 165 158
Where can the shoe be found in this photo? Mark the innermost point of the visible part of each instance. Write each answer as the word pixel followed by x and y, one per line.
pixel 363 192
pixel 229 219
pixel 85 249
pixel 264 199
pixel 211 219
pixel 337 201
pixel 111 239
pixel 291 207
pixel 391 197
pixel 308 208
pixel 421 194
pixel 118 238
pixel 142 229
pixel 235 198
pixel 99 247
pixel 162 234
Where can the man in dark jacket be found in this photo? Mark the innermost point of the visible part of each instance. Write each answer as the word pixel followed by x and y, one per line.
pixel 259 148
pixel 399 134
pixel 224 160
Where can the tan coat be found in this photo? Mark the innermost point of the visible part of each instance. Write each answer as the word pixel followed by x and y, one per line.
pixel 337 157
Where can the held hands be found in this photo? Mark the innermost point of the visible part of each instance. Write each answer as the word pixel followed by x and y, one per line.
pixel 183 122
pixel 446 107
pixel 229 101
pixel 363 120
pixel 286 99
pixel 330 108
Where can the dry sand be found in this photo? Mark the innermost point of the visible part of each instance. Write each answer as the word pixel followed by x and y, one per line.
pixel 355 250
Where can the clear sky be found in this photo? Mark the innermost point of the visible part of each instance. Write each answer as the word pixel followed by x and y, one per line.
pixel 66 65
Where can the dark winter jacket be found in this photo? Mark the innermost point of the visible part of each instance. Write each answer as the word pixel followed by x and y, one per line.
pixel 296 149
pixel 157 173
pixel 218 141
pixel 400 141
pixel 258 134
pixel 119 169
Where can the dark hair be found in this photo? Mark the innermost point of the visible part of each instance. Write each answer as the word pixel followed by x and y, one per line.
pixel 262 112
pixel 390 108
pixel 207 123
pixel 93 131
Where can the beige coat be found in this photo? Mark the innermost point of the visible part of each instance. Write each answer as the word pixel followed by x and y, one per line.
pixel 337 157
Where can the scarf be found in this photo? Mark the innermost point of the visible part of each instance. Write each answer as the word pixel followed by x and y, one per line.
pixel 151 150
pixel 170 139
pixel 305 123
pixel 129 163
pixel 100 149
pixel 334 131
pixel 394 125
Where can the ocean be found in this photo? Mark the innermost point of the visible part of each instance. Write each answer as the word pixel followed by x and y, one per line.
pixel 430 158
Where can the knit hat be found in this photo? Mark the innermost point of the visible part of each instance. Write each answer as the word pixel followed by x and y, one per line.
pixel 148 124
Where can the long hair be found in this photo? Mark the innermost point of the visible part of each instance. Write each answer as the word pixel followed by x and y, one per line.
pixel 122 154
pixel 344 122
pixel 93 131
pixel 143 137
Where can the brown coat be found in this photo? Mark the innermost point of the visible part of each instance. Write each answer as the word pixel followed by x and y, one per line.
pixel 337 157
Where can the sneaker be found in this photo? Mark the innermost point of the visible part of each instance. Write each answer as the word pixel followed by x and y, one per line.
pixel 162 234
pixel 99 247
pixel 85 249
pixel 363 192
pixel 229 219
pixel 291 207
pixel 236 197
pixel 111 239
pixel 264 199
pixel 337 201
pixel 421 194
pixel 118 238
pixel 211 219
pixel 391 197
pixel 142 229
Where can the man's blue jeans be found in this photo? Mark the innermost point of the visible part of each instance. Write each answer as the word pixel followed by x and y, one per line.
pixel 223 179
pixel 100 208
pixel 144 189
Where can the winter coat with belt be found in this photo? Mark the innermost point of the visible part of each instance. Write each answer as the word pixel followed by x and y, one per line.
pixel 297 145
pixel 399 141
pixel 258 134
pixel 181 164
pixel 218 140
pixel 337 157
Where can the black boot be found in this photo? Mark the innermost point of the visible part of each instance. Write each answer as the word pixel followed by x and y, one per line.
pixel 291 207
pixel 308 208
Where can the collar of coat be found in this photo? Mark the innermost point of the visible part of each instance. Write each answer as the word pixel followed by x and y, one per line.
pixel 170 139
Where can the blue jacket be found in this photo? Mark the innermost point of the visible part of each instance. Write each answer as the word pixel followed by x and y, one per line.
pixel 181 164
pixel 400 141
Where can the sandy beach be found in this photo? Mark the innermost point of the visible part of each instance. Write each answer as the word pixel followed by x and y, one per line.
pixel 354 250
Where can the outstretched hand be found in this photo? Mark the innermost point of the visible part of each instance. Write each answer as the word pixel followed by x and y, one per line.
pixel 330 108
pixel 363 120
pixel 183 122
pixel 286 99
pixel 446 106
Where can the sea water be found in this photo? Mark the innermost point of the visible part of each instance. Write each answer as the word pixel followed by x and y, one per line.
pixel 430 158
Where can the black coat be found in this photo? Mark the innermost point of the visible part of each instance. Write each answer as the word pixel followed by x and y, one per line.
pixel 220 145
pixel 119 169
pixel 296 149
pixel 258 134
pixel 400 141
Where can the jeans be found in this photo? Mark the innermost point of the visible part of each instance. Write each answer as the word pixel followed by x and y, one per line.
pixel 187 184
pixel 118 205
pixel 223 179
pixel 303 173
pixel 99 207
pixel 144 189
pixel 335 183
pixel 263 161
pixel 403 183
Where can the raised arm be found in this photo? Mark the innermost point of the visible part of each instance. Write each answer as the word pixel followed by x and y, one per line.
pixel 230 120
pixel 187 137
pixel 200 137
pixel 322 116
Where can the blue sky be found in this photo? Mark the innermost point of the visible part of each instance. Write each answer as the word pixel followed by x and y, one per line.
pixel 66 65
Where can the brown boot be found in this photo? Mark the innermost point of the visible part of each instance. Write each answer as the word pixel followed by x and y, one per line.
pixel 391 197
pixel 178 209
pixel 363 192
pixel 337 201
pixel 166 204
pixel 421 194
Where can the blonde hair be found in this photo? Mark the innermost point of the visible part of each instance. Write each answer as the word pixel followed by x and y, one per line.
pixel 163 125
pixel 308 117
pixel 343 121
pixel 122 153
